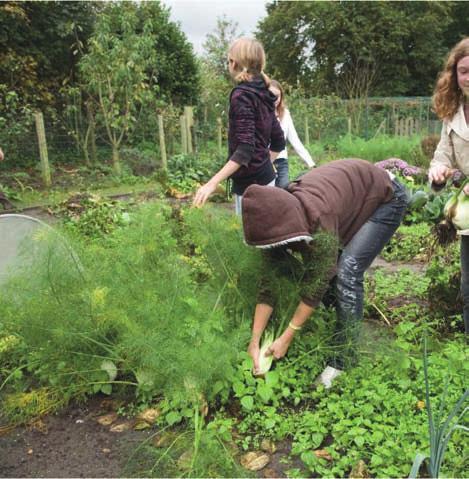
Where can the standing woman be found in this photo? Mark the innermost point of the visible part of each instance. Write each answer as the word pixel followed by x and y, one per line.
pixel 255 136
pixel 451 104
pixel 286 122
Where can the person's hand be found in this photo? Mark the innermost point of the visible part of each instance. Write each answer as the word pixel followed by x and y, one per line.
pixel 1 155
pixel 253 351
pixel 202 194
pixel 466 189
pixel 439 174
pixel 279 347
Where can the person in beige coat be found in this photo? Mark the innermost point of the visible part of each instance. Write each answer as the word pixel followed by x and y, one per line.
pixel 451 103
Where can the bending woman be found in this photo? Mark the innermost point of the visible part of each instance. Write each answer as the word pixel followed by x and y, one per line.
pixel 348 205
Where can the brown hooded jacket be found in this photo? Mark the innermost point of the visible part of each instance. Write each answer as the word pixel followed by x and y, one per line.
pixel 336 198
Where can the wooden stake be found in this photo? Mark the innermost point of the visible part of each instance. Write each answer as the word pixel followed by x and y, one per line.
pixel 182 121
pixel 189 115
pixel 41 137
pixel 164 161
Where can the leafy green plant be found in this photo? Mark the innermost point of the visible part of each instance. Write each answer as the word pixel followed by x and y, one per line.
pixel 440 428
pixel 410 243
pixel 444 279
pixel 395 297
pixel 10 193
pixel 92 216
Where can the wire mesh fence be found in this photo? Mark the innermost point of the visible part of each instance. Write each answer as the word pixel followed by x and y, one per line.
pixel 316 120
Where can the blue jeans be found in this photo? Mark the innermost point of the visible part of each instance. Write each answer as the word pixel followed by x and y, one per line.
pixel 281 165
pixel 465 280
pixel 356 257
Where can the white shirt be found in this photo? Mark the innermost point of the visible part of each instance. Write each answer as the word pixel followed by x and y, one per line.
pixel 290 134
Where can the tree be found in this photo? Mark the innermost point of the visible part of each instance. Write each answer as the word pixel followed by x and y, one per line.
pixel 217 43
pixel 216 82
pixel 318 45
pixel 38 38
pixel 134 55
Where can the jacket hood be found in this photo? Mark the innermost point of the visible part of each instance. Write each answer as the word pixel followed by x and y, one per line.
pixel 258 88
pixel 273 217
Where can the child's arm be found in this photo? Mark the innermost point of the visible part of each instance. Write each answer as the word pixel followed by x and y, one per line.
pixel 292 137
pixel 443 159
pixel 280 346
pixel 206 190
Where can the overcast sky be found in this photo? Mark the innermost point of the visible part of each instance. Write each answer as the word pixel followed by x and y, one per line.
pixel 199 17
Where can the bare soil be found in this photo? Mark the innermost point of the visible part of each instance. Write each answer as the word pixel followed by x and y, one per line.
pixel 69 444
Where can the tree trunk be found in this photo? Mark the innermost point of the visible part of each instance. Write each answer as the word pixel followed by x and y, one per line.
pixel 116 160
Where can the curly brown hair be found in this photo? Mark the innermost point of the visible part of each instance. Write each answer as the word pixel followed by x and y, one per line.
pixel 447 95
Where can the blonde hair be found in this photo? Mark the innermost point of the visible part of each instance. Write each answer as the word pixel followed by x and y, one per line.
pixel 281 107
pixel 447 95
pixel 249 59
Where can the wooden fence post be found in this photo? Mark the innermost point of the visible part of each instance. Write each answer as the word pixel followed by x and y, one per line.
pixel 41 137
pixel 164 162
pixel 182 122
pixel 189 116
pixel 219 135
pixel 408 126
pixel 349 126
pixel 306 131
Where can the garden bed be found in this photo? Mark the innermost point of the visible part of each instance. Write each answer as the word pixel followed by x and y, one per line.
pixel 161 278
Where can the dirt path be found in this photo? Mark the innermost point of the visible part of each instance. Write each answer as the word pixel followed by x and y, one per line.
pixel 396 266
pixel 70 444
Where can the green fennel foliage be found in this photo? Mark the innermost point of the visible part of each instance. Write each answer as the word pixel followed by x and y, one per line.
pixel 136 306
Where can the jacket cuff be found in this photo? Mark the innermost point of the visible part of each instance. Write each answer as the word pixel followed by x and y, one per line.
pixel 265 298
pixel 243 154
